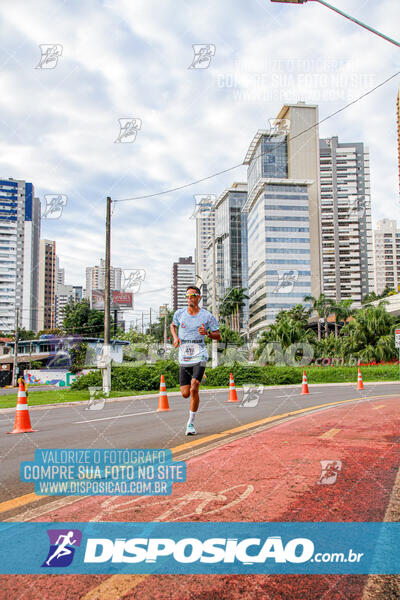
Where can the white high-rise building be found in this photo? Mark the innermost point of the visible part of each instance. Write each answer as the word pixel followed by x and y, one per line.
pixel 205 231
pixel 282 221
pixel 386 255
pixel 346 228
pixel 60 274
pixel 183 275
pixel 19 254
pixel 96 277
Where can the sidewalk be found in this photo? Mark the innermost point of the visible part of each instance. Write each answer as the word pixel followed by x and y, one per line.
pixel 268 476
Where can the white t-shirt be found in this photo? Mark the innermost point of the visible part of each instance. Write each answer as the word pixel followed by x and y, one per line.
pixel 192 348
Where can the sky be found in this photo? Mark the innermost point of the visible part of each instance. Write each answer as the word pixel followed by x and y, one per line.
pixel 124 59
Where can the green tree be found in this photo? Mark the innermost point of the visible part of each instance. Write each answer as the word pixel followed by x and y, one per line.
pixel 286 331
pixel 342 311
pixel 78 356
pixel 157 328
pixel 323 307
pixel 23 334
pixel 231 303
pixel 298 313
pixel 80 319
pixel 370 334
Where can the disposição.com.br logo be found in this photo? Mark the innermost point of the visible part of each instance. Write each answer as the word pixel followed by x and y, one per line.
pixel 62 547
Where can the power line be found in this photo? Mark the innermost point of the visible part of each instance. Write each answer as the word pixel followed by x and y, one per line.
pixel 186 185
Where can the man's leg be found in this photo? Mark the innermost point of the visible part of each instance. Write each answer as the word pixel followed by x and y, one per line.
pixel 185 391
pixel 185 377
pixel 194 395
pixel 198 372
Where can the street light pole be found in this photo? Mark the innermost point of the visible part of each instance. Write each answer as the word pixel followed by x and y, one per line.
pixel 340 12
pixel 214 343
pixel 106 367
pixel 16 339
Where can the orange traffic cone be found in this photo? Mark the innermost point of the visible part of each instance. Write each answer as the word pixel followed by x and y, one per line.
pixel 162 397
pixel 22 422
pixel 232 390
pixel 360 385
pixel 304 385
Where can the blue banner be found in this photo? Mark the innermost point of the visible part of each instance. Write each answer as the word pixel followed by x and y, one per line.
pixel 186 548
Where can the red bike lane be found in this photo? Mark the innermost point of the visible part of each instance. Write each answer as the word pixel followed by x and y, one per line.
pixel 273 475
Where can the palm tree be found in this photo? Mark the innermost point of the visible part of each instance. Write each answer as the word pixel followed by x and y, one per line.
pixel 342 311
pixel 231 304
pixel 286 331
pixel 370 334
pixel 322 306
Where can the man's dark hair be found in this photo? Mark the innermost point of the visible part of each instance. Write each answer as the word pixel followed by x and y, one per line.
pixel 193 287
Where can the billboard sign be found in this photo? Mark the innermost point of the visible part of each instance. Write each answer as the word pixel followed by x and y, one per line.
pixel 122 299
pixel 119 300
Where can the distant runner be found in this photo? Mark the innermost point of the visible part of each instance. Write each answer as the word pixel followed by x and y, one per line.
pixel 194 324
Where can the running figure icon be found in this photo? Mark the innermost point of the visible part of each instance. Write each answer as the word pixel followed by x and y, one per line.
pixel 62 549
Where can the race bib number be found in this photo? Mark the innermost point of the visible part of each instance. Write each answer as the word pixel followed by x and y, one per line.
pixel 189 351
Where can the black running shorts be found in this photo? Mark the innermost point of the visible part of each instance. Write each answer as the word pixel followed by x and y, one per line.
pixel 189 372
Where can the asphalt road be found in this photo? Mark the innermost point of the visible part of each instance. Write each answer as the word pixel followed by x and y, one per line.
pixel 137 424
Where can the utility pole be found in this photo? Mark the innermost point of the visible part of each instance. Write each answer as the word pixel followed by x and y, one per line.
pixel 15 366
pixel 214 343
pixel 163 312
pixel 142 321
pixel 150 321
pixel 106 347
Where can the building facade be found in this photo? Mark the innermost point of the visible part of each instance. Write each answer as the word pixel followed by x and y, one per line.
pixel 19 251
pixel 386 255
pixel 205 230
pixel 279 247
pixel 66 294
pixel 183 275
pixel 398 130
pixel 231 256
pixel 346 227
pixel 96 277
pixel 47 285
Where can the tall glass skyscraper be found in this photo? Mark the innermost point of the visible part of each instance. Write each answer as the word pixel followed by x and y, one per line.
pixel 231 245
pixel 278 231
pixel 19 254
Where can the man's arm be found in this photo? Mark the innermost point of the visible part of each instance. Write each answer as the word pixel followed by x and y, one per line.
pixel 214 335
pixel 173 330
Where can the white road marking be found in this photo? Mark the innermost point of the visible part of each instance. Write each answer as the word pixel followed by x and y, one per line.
pixel 148 412
pixel 295 395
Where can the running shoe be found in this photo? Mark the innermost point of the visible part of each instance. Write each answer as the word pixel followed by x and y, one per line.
pixel 190 430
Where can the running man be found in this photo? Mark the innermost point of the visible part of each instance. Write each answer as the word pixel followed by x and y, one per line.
pixel 194 324
pixel 62 549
